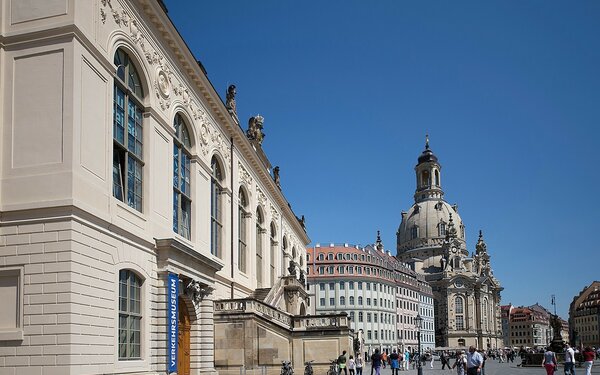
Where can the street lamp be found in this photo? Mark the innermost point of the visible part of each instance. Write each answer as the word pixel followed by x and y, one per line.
pixel 418 322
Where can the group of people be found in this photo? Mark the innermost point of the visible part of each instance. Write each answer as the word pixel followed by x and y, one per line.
pixel 470 363
pixel 355 366
pixel 550 362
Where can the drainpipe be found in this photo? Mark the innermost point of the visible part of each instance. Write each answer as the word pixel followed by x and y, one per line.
pixel 231 232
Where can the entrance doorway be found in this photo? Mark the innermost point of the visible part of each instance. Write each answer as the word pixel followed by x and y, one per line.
pixel 183 348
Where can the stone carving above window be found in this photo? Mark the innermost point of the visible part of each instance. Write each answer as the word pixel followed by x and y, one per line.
pixel 262 198
pixel 274 213
pixel 244 175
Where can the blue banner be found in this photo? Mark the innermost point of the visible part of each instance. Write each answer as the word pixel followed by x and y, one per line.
pixel 172 321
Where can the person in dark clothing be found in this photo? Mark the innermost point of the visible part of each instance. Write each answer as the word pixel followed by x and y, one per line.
pixel 376 362
pixel 394 363
pixel 444 360
pixel 342 363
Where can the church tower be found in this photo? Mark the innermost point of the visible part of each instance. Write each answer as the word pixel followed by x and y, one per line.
pixel 431 238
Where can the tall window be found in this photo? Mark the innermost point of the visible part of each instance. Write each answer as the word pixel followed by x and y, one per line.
pixel 425 179
pixel 442 229
pixel 260 222
pixel 273 241
pixel 459 313
pixel 182 202
pixel 130 315
pixel 242 230
pixel 485 313
pixel 216 219
pixel 414 232
pixel 127 144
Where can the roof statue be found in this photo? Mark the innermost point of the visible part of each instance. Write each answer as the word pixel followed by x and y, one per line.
pixel 230 101
pixel 255 126
pixel 276 177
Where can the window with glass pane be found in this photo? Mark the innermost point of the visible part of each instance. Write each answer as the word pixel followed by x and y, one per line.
pixel 216 224
pixel 259 243
pixel 242 230
pixel 273 243
pixel 127 133
pixel 182 202
pixel 459 309
pixel 130 315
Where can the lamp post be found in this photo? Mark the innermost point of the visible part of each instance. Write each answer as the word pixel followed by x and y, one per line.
pixel 418 321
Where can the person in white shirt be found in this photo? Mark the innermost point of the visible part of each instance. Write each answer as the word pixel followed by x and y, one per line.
pixel 569 360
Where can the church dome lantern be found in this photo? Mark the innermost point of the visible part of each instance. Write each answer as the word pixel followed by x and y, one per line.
pixel 426 223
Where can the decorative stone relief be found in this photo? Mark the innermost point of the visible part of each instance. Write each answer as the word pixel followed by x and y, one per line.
pixel 274 213
pixel 196 291
pixel 244 175
pixel 262 198
pixel 166 83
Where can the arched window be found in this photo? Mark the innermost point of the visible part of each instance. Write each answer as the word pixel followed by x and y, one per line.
pixel 182 201
pixel 360 301
pixel 485 314
pixel 342 300
pixel 130 315
pixel 216 219
pixel 260 221
pixel 425 178
pixel 351 300
pixel 437 177
pixel 273 242
pixel 127 144
pixel 330 256
pixel 321 257
pixel 294 254
pixel 242 230
pixel 459 313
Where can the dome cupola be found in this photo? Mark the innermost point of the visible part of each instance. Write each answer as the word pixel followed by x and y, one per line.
pixel 428 173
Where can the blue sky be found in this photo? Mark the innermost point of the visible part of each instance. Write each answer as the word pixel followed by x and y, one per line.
pixel 509 92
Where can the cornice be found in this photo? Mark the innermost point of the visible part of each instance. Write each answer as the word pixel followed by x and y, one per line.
pixel 163 26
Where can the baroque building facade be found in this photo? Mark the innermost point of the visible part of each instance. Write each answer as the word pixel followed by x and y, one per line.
pixel 381 295
pixel 142 230
pixel 584 317
pixel 431 238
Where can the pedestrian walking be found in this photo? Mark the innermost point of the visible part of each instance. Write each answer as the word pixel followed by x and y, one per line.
pixel 384 359
pixel 342 363
pixel 359 365
pixel 376 362
pixel 351 364
pixel 588 360
pixel 569 360
pixel 461 363
pixel 406 362
pixel 474 361
pixel 444 360
pixel 394 362
pixel 549 361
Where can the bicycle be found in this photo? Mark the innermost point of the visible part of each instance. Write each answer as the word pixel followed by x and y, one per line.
pixel 308 370
pixel 333 369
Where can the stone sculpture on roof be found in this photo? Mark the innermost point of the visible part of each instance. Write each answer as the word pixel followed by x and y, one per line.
pixel 255 127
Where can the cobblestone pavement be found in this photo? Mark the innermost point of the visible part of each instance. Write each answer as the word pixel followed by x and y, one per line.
pixel 491 368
